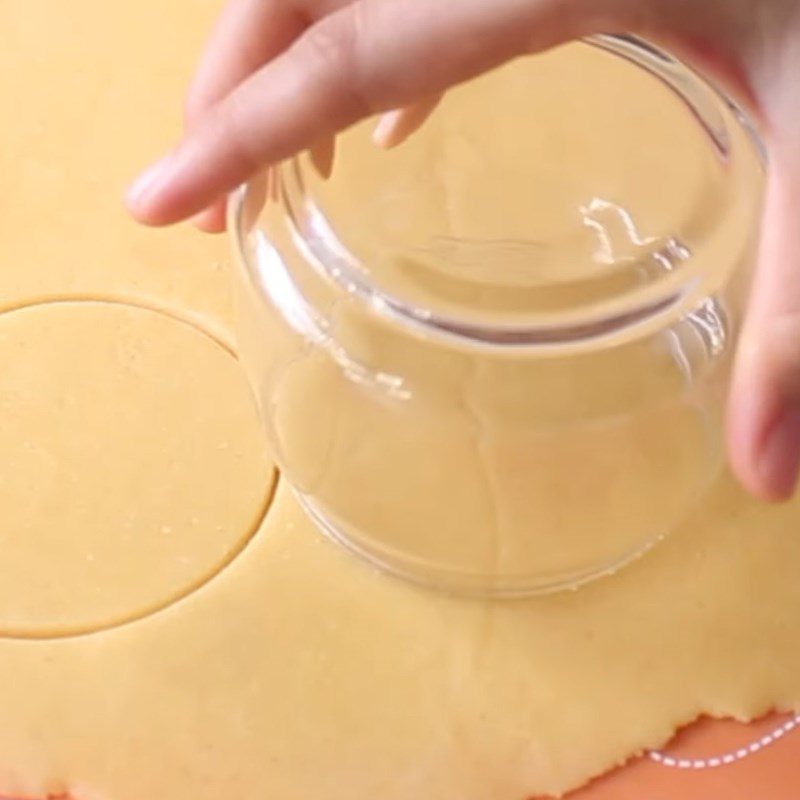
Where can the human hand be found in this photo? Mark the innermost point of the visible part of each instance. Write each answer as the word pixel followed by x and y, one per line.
pixel 280 75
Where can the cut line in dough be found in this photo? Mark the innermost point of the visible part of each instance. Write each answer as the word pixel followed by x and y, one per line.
pixel 136 431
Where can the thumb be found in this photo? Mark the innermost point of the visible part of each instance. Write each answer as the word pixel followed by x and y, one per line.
pixel 764 412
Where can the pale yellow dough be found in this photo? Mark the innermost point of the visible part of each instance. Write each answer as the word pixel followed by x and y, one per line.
pixel 298 672
pixel 131 466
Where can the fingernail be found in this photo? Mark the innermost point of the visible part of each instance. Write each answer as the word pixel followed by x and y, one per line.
pixel 148 183
pixel 779 464
pixel 385 133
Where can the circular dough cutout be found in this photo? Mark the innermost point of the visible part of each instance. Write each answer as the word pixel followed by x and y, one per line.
pixel 132 466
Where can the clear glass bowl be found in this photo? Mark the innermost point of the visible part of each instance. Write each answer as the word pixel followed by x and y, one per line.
pixel 494 359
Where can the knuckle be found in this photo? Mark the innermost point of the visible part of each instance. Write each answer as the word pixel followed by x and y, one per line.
pixel 331 44
pixel 332 50
pixel 234 128
pixel 314 10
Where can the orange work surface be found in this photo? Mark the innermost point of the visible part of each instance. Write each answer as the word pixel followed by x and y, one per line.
pixel 712 760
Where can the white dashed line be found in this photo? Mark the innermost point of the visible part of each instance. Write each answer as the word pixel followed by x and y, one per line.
pixel 727 758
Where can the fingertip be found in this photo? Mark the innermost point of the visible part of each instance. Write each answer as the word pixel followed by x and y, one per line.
pixel 764 445
pixel 211 220
pixel 149 200
pixel 322 155
pixel 394 127
pixel 142 198
pixel 779 457
pixel 387 132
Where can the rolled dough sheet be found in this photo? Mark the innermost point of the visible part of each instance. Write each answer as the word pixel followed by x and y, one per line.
pixel 131 470
pixel 297 671
pixel 90 94
pixel 300 671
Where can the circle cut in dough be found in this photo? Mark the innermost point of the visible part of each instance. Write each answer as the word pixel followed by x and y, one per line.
pixel 132 465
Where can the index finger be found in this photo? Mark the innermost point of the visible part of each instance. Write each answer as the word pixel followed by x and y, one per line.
pixel 368 57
